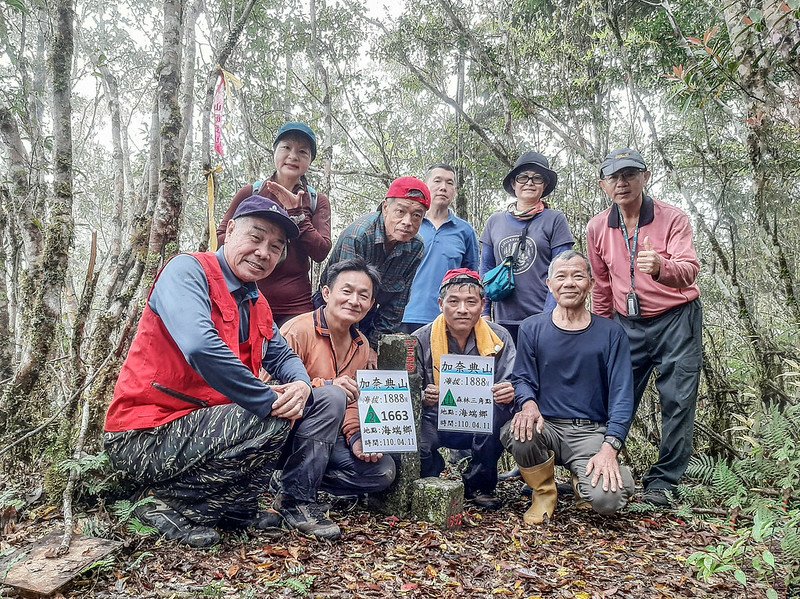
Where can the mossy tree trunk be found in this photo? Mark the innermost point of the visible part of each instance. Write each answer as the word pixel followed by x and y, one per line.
pixel 48 272
pixel 166 219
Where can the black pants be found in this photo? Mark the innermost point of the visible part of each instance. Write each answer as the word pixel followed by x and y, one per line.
pixel 348 475
pixel 210 465
pixel 311 443
pixel 672 345
pixel 486 449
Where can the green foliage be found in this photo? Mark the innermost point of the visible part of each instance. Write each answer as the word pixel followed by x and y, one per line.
pixel 94 472
pixel 103 565
pixel 214 589
pixel 10 498
pixel 17 5
pixel 295 580
pixel 763 486
pixel 137 563
pixel 124 511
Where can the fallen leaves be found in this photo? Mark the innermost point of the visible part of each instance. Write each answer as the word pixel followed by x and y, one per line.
pixel 577 555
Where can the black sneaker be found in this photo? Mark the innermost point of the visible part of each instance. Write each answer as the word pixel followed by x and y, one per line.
pixel 173 525
pixel 484 500
pixel 308 517
pixel 563 489
pixel 657 497
pixel 510 474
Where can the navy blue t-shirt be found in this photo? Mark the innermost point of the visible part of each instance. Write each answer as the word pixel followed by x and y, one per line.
pixel 576 374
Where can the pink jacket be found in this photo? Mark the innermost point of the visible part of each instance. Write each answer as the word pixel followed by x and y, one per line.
pixel 671 235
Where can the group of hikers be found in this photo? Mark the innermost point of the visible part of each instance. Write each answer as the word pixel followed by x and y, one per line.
pixel 241 377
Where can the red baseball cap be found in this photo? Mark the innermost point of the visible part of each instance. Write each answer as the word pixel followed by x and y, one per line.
pixel 461 275
pixel 410 188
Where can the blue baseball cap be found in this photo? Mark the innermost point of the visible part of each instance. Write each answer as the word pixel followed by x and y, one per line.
pixel 262 207
pixel 302 129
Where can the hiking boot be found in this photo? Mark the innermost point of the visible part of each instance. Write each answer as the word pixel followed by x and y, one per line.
pixel 484 500
pixel 308 517
pixel 269 521
pixel 657 497
pixel 173 525
pixel 343 504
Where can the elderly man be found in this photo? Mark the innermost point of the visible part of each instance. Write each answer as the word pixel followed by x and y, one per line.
pixel 646 269
pixel 459 329
pixel 190 421
pixel 450 242
pixel 332 350
pixel 574 397
pixel 387 239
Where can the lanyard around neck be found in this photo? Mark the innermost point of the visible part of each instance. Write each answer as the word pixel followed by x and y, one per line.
pixel 631 250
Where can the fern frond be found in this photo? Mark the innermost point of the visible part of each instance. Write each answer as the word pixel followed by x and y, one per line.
pixel 790 544
pixel 701 468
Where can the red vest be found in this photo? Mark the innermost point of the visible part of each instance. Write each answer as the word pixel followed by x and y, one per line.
pixel 157 385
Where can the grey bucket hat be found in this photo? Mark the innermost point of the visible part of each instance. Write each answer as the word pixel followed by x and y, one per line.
pixel 532 161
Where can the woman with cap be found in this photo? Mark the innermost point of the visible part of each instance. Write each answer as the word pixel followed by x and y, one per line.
pixel 288 288
pixel 545 234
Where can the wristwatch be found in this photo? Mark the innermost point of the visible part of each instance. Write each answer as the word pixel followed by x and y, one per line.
pixel 613 441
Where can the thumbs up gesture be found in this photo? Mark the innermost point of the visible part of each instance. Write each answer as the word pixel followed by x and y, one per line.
pixel 648 260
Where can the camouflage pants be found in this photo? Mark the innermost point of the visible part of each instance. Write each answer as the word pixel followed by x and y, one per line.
pixel 211 465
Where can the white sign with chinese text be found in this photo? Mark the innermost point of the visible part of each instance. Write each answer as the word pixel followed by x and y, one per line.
pixel 465 394
pixel 385 412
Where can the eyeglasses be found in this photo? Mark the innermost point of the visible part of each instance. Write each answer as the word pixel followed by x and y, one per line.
pixel 627 175
pixel 523 178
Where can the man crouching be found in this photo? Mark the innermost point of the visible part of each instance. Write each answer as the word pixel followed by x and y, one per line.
pixel 190 421
pixel 573 398
pixel 459 329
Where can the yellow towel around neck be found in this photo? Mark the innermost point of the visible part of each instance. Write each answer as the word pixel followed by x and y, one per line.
pixel 489 344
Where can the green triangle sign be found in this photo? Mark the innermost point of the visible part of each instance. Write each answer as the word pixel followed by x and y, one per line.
pixel 372 417
pixel 449 400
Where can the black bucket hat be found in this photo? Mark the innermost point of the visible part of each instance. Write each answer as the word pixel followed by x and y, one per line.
pixel 532 161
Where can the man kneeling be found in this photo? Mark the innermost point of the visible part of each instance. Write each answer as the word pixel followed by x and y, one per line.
pixel 332 350
pixel 574 398
pixel 459 329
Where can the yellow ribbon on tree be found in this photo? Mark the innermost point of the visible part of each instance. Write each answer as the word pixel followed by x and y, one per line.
pixel 212 227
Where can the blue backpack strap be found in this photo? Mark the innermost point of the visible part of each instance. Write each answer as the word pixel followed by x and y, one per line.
pixel 313 193
pixel 257 186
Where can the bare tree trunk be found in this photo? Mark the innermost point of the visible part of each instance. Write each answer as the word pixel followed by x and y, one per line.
pixel 19 168
pixel 164 231
pixel 462 206
pixel 186 138
pixel 327 112
pixel 287 87
pixel 112 93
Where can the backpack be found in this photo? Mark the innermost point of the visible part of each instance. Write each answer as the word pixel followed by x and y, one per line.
pixel 311 192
